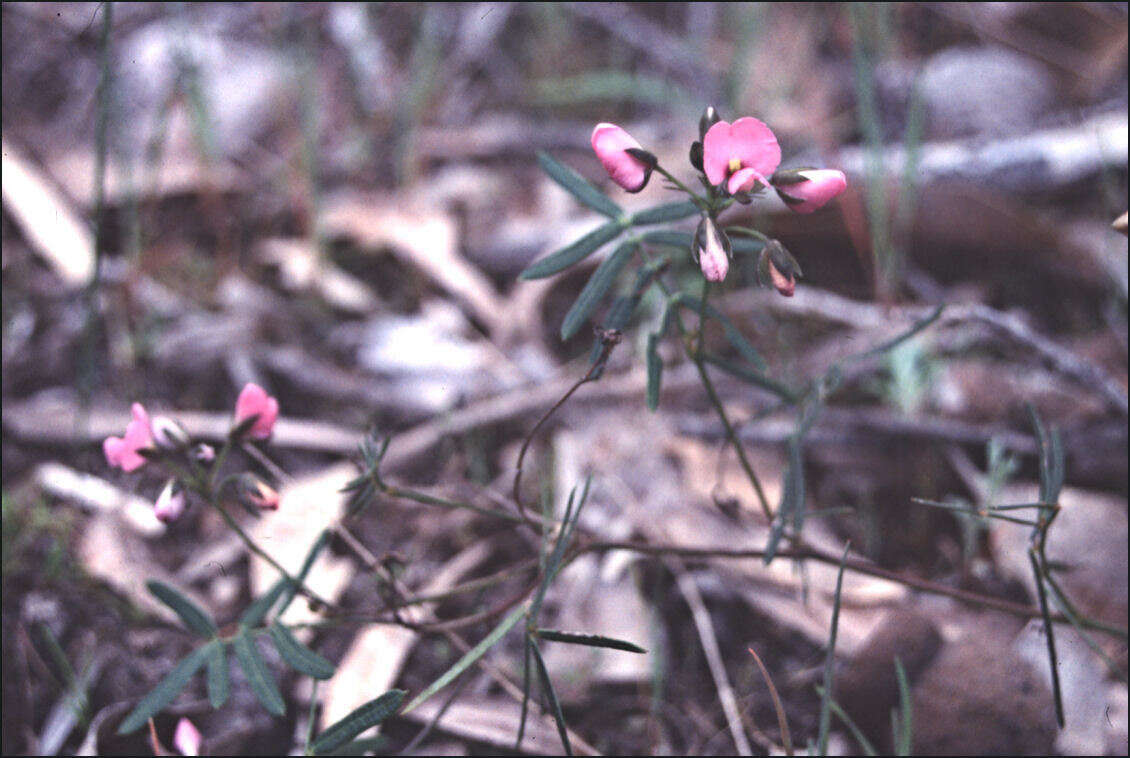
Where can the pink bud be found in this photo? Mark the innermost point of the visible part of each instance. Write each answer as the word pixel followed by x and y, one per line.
pixel 786 285
pixel 259 493
pixel 204 453
pixel 170 503
pixel 817 188
pixel 123 451
pixel 711 248
pixel 187 738
pixel 168 434
pixel 253 400
pixel 610 142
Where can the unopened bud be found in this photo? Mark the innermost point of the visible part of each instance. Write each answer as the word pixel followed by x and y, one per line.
pixel 777 268
pixel 696 155
pixel 168 434
pixel 709 118
pixel 170 503
pixel 187 738
pixel 712 250
pixel 258 493
pixel 203 452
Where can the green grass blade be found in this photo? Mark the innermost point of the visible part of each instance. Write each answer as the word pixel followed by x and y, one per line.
pixel 219 685
pixel 856 732
pixel 258 675
pixel 905 734
pixel 299 657
pixel 469 658
pixel 591 640
pixel 573 253
pixel 525 692
pixel 596 288
pixel 1049 634
pixel 830 664
pixel 663 213
pixel 365 717
pixel 915 328
pixel 577 186
pixel 167 689
pixel 193 616
pixel 551 696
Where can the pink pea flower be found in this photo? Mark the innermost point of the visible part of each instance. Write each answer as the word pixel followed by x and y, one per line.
pixel 254 401
pixel 170 503
pixel 187 738
pixel 741 154
pixel 611 143
pixel 123 451
pixel 712 249
pixel 815 188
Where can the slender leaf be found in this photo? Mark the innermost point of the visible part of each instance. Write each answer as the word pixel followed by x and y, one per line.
pixel 904 735
pixel 750 376
pixel 292 588
pixel 856 732
pixel 735 338
pixel 470 657
pixel 663 213
pixel 794 483
pixel 577 186
pixel 367 716
pixel 219 686
pixel 745 246
pixel 528 641
pixel 573 253
pixel 193 616
pixel 654 371
pixel 551 696
pixel 1049 635
pixel 167 689
pixel 255 612
pixel 596 288
pixel 917 327
pixel 258 675
pixel 299 657
pixel 669 238
pixel 830 664
pixel 591 640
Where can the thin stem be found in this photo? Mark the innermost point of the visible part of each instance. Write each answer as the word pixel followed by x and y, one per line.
pixel 745 230
pixel 695 197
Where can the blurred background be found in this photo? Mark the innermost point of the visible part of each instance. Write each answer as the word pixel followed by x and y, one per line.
pixel 335 200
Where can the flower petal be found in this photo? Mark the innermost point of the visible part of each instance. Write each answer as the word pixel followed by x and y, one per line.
pixel 717 149
pixel 609 142
pixel 822 186
pixel 755 145
pixel 743 180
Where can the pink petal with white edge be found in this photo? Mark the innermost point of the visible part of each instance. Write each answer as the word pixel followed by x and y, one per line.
pixel 609 143
pixel 748 141
pixel 744 180
pixel 187 738
pixel 822 185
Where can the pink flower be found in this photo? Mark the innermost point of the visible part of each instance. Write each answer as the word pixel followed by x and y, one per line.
pixel 741 154
pixel 123 451
pixel 187 738
pixel 610 144
pixel 254 401
pixel 170 503
pixel 815 188
pixel 712 250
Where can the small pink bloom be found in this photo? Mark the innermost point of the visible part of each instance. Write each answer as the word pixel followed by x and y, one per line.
pixel 123 451
pixel 170 503
pixel 187 738
pixel 820 186
pixel 610 142
pixel 254 401
pixel 740 154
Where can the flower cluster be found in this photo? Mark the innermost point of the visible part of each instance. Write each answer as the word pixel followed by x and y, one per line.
pixel 152 438
pixel 736 160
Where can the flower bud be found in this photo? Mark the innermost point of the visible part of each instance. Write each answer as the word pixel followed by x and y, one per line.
pixel 254 403
pixel 806 190
pixel 187 738
pixel 258 493
pixel 622 157
pixel 777 268
pixel 203 453
pixel 709 118
pixel 170 503
pixel 712 250
pixel 168 434
pixel 696 155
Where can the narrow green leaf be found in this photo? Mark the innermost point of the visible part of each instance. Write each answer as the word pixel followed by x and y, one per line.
pixel 591 640
pixel 1049 635
pixel 255 612
pixel 292 589
pixel 367 716
pixel 663 213
pixel 470 657
pixel 258 675
pixel 577 186
pixel 856 732
pixel 794 484
pixel 830 664
pixel 528 641
pixel 573 253
pixel 735 337
pixel 750 376
pixel 554 705
pixel 167 689
pixel 654 371
pixel 219 685
pixel 668 238
pixel 905 733
pixel 596 288
pixel 745 246
pixel 299 657
pixel 917 327
pixel 193 616
pixel 776 532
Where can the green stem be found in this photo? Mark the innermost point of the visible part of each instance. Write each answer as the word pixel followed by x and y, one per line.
pixel 695 197
pixel 746 231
